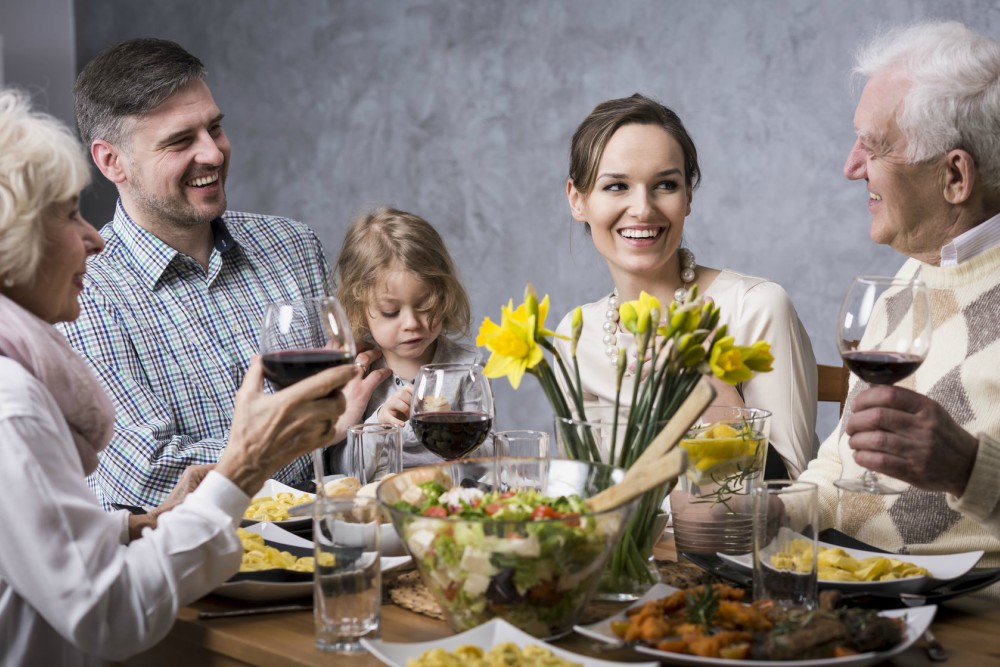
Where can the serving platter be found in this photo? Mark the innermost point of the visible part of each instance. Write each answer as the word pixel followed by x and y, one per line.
pixel 485 636
pixel 918 619
pixel 940 591
pixel 943 568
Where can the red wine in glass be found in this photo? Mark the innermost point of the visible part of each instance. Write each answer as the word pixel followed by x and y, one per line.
pixel 878 367
pixel 452 408
pixel 451 435
pixel 287 367
pixel 299 339
pixel 883 334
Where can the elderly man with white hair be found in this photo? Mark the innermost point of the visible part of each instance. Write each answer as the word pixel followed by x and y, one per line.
pixel 928 150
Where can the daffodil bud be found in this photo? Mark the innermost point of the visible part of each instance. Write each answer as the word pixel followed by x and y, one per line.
pixel 644 323
pixel 627 317
pixel 620 364
pixel 693 356
pixel 577 329
pixel 531 304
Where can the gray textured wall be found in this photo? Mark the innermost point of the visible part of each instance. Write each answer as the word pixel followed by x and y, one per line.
pixel 462 112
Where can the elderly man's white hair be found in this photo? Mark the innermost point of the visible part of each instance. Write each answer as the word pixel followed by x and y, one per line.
pixel 954 95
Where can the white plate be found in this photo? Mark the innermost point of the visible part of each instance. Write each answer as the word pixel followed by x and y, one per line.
pixel 917 620
pixel 485 636
pixel 272 488
pixel 942 568
pixel 267 591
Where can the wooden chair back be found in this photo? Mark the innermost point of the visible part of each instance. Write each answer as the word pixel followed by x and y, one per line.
pixel 833 384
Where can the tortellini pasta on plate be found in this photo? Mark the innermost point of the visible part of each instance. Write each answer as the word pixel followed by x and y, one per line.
pixel 835 564
pixel 507 654
pixel 259 556
pixel 274 508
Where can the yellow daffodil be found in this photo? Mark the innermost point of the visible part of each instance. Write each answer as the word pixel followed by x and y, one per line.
pixel 637 315
pixel 514 342
pixel 511 343
pixel 728 361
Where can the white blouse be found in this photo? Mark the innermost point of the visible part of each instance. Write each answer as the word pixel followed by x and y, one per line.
pixel 70 592
pixel 754 309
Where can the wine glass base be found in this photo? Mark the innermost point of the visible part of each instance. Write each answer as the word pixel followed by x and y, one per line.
pixel 867 486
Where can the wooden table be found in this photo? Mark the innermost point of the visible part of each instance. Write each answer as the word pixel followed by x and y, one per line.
pixel 968 628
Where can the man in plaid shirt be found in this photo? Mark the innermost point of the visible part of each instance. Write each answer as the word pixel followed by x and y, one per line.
pixel 171 310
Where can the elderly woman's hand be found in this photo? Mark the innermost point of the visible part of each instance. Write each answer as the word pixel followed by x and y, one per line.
pixel 271 430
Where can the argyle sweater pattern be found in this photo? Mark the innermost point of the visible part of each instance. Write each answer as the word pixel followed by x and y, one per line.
pixel 961 373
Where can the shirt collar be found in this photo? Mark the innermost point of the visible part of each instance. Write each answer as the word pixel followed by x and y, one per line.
pixel 152 255
pixel 967 245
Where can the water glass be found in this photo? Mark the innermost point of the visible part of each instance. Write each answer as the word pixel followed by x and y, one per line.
pixel 532 444
pixel 347 584
pixel 376 451
pixel 785 522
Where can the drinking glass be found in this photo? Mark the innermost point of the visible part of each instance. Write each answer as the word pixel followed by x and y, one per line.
pixel 301 338
pixel 521 458
pixel 525 443
pixel 452 408
pixel 785 523
pixel 347 581
pixel 884 334
pixel 376 451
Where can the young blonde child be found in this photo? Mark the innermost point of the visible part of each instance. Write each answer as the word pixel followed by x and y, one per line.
pixel 399 288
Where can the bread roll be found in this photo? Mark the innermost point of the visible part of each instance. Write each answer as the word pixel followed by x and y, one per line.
pixel 345 486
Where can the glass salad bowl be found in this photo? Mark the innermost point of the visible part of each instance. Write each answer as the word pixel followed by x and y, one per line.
pixel 507 537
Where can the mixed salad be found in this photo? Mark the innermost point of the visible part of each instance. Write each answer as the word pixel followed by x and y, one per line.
pixel 519 555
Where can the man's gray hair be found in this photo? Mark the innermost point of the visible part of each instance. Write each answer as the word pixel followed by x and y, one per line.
pixel 127 81
pixel 954 95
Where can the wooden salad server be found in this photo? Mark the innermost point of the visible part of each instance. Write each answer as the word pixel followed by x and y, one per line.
pixel 660 462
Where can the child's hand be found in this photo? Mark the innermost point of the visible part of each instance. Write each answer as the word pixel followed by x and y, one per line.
pixel 358 391
pixel 396 409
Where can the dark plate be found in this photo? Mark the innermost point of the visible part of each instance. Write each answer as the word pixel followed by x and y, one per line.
pixel 277 575
pixel 973 580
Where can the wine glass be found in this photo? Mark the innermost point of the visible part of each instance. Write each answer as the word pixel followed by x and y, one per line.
pixel 884 334
pixel 452 408
pixel 302 338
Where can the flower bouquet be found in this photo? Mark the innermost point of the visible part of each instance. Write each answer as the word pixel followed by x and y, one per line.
pixel 672 353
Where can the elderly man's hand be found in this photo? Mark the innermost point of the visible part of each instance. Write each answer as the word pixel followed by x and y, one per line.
pixel 908 436
pixel 271 430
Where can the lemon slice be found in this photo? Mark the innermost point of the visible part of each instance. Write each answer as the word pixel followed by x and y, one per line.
pixel 720 451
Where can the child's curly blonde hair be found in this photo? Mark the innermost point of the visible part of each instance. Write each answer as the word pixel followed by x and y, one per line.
pixel 388 239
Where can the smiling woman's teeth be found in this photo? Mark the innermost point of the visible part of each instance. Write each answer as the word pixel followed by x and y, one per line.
pixel 639 233
pixel 872 195
pixel 203 181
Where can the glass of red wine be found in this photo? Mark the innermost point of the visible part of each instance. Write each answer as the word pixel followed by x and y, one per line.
pixel 884 334
pixel 452 408
pixel 302 338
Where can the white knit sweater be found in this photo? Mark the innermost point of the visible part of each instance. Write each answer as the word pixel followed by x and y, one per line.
pixel 961 373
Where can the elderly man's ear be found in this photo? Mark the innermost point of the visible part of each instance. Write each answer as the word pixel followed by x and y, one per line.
pixel 960 176
pixel 109 160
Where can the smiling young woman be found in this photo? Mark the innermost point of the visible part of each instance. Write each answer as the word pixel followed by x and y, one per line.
pixel 632 176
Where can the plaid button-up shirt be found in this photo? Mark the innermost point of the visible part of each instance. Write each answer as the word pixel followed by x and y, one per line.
pixel 171 341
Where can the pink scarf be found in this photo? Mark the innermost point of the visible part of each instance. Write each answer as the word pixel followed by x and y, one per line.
pixel 44 353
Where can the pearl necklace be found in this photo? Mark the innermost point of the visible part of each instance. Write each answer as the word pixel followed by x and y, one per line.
pixel 610 339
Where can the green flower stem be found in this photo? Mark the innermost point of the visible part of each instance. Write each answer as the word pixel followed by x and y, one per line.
pixel 575 394
pixel 552 392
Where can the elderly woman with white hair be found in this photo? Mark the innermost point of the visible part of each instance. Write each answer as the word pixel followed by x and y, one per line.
pixel 77 585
